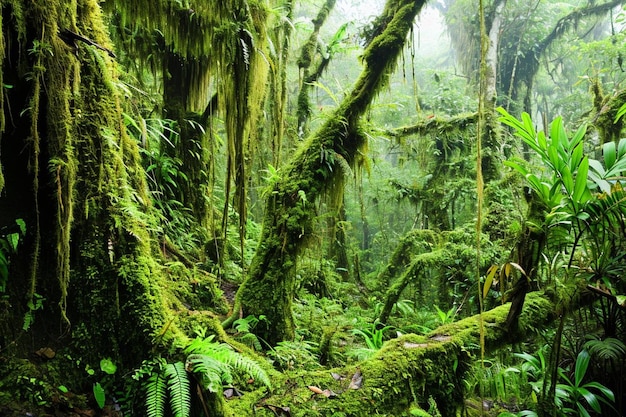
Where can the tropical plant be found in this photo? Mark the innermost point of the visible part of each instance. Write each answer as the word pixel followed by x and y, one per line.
pixel 445 317
pixel 244 327
pixel 374 339
pixel 579 395
pixel 210 364
pixel 534 370
pixel 583 196
pixel 300 354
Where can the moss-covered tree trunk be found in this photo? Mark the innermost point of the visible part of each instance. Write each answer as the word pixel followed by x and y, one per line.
pixel 270 284
pixel 84 269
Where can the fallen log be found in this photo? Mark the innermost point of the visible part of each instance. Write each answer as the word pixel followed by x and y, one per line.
pixel 412 372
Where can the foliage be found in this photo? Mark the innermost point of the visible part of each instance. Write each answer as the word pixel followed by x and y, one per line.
pixel 9 243
pixel 445 316
pixel 373 336
pixel 209 363
pixel 573 396
pixel 295 355
pixel 593 393
pixel 244 334
pixel 582 196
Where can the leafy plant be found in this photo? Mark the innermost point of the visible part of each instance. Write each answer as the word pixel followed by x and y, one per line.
pixel 244 327
pixel 289 355
pixel 210 364
pixel 374 339
pixel 578 393
pixel 9 243
pixel 445 316
pixel 34 304
pixel 534 368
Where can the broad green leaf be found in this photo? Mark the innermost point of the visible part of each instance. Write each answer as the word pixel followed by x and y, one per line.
pixel 591 398
pixel 581 190
pixel 621 147
pixel 541 140
pixel 578 137
pixel 582 362
pixel 22 224
pixel 604 390
pixel 99 395
pixel 568 179
pixel 554 159
pixel 620 113
pixel 582 412
pixel 597 167
pixel 576 159
pixel 107 366
pixel 609 154
pixel 519 168
pixel 555 132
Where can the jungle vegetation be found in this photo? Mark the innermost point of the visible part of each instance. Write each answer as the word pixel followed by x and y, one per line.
pixel 312 208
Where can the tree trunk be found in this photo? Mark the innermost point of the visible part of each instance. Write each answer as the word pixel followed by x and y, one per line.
pixel 74 176
pixel 269 287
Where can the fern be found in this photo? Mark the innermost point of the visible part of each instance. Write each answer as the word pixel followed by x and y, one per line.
pixel 212 364
pixel 178 387
pixel 225 355
pixel 156 394
pixel 213 373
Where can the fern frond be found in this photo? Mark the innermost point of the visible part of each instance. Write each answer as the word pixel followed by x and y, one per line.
pixel 606 349
pixel 156 394
pixel 241 364
pixel 216 362
pixel 178 386
pixel 251 340
pixel 213 373
pixel 200 345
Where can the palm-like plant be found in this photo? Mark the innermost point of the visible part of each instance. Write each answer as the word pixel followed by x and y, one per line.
pixel 210 364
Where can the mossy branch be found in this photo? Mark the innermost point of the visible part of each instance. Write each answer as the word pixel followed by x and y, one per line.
pixel 270 285
pixel 434 125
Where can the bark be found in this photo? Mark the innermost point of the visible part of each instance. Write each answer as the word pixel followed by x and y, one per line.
pixel 270 285
pixel 84 272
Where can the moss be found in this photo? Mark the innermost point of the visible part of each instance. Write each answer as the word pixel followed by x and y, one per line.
pixel 408 374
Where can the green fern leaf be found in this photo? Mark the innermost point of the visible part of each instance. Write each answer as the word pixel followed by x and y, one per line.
pixel 178 386
pixel 212 372
pixel 156 393
pixel 242 364
pixel 215 362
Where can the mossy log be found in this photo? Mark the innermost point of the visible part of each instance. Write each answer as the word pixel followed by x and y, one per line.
pixel 411 370
pixel 317 166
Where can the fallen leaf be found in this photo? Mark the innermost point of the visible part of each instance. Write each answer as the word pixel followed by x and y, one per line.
pixel 278 411
pixel 315 389
pixel 357 380
pixel 328 394
pixel 231 392
pixel 337 376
